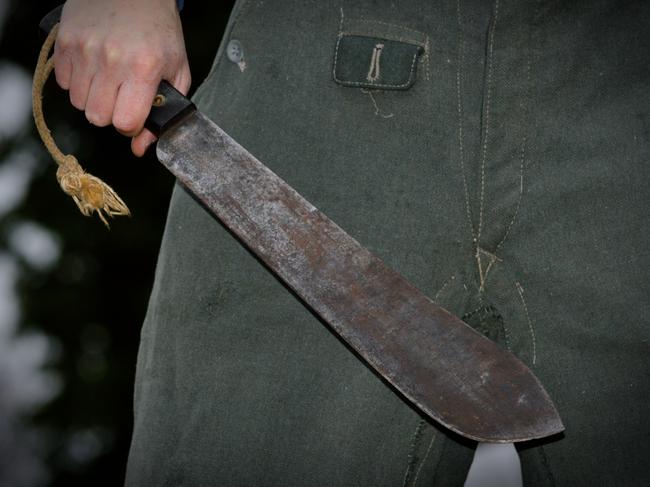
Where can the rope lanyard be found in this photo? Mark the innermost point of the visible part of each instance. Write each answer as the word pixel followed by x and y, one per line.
pixel 90 193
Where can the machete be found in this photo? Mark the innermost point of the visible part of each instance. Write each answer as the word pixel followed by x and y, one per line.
pixel 448 370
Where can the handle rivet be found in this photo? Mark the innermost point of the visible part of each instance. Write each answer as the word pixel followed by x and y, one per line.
pixel 159 100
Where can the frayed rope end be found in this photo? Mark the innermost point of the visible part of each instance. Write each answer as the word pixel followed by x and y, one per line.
pixel 90 193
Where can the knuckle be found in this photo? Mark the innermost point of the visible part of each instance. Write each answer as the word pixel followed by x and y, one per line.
pixel 63 54
pixel 62 77
pixel 147 64
pixel 97 118
pixel 64 41
pixel 77 101
pixel 111 53
pixel 89 46
pixel 125 123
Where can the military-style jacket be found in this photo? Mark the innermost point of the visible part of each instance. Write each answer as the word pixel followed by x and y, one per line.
pixel 495 153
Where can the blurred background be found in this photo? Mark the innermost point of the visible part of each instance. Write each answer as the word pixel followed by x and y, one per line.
pixel 72 293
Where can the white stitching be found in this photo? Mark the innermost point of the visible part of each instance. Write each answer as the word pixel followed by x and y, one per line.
pixel 485 142
pixel 336 54
pixel 483 274
pixel 383 35
pixel 427 59
pixel 521 192
pixel 520 290
pixel 374 102
pixel 408 82
pixel 522 161
pixel 412 458
pixel 374 70
pixel 487 120
pixel 444 286
pixel 461 149
pixel 426 455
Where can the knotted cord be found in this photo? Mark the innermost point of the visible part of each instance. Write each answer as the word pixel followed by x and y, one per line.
pixel 90 193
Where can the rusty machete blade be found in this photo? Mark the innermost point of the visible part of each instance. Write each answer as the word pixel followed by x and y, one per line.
pixel 449 371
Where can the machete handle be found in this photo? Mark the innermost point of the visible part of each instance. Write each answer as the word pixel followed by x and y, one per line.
pixel 169 104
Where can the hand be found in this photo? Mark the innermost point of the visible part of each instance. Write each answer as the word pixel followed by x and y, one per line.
pixel 112 54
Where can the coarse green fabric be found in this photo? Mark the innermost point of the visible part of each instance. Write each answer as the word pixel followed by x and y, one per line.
pixel 509 182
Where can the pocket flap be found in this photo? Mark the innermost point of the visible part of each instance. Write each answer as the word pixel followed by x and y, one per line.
pixel 373 62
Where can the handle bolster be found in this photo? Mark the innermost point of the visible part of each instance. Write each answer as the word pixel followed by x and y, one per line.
pixel 172 108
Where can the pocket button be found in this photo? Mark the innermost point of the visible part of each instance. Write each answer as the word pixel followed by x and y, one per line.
pixel 235 51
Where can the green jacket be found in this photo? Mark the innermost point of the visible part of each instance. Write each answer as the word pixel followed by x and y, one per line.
pixel 497 155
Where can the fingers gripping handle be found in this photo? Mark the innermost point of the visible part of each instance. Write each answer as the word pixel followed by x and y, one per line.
pixel 169 105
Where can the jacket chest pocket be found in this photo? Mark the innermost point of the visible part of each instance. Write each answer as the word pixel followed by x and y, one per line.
pixel 378 56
